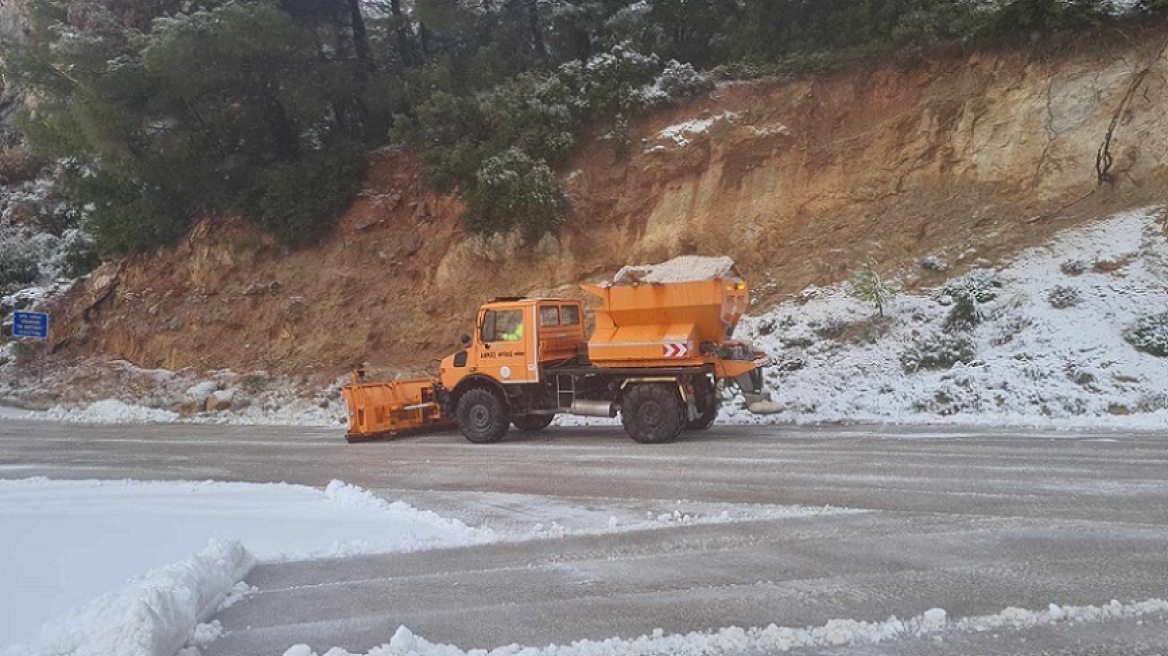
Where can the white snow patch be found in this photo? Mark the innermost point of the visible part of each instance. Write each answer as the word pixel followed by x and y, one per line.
pixel 681 134
pixel 200 392
pixel 109 411
pixel 114 411
pixel 66 542
pixel 150 615
pixel 771 639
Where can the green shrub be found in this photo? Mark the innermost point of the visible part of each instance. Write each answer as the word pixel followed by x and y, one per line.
pixel 965 296
pixel 80 255
pixel 17 266
pixel 514 190
pixel 297 202
pixel 496 148
pixel 124 215
pixel 937 351
pixel 1149 334
pixel 678 80
pixel 867 285
pixel 1013 17
pixel 226 107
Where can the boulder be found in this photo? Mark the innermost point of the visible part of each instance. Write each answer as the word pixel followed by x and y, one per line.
pixel 219 401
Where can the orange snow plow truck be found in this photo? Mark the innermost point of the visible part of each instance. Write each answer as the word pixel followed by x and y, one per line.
pixel 659 354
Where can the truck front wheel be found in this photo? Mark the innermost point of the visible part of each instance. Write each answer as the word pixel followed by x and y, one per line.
pixel 652 413
pixel 482 417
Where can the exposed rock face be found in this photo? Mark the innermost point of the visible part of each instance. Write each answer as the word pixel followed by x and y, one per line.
pixel 970 158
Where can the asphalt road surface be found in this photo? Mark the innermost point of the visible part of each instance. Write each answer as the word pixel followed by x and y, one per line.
pixel 969 520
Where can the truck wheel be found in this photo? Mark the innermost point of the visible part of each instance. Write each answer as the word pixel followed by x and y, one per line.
pixel 481 417
pixel 652 414
pixel 532 423
pixel 707 402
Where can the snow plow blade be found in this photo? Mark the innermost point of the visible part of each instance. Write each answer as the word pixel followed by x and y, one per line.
pixel 392 409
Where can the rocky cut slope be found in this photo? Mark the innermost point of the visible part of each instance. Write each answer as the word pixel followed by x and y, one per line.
pixel 972 157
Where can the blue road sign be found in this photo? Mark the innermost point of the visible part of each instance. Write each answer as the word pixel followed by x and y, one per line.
pixel 30 324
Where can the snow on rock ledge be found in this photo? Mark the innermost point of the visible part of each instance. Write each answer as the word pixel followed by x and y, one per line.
pixel 151 615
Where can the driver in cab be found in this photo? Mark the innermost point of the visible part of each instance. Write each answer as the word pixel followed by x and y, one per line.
pixel 512 328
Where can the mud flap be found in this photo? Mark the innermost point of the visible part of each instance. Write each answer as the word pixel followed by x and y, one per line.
pixel 758 399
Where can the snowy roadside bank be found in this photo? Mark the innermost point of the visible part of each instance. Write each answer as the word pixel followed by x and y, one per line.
pixel 933 623
pixel 153 614
pixel 69 542
pixel 1071 335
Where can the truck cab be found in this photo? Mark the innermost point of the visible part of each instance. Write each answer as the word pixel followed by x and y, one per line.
pixel 513 337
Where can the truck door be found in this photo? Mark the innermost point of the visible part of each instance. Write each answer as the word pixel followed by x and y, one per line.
pixel 560 330
pixel 507 345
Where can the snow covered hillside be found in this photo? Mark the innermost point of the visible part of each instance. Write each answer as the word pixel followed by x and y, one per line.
pixel 1071 334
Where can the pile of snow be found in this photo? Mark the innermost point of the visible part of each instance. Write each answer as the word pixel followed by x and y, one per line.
pixel 66 542
pixel 293 413
pixel 687 268
pixel 772 639
pixel 152 614
pixel 108 411
pixel 1050 348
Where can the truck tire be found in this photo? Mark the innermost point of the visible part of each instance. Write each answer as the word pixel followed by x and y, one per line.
pixel 652 413
pixel 481 416
pixel 532 423
pixel 706 399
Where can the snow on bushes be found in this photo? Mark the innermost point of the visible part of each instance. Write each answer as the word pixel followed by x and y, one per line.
pixel 485 146
pixel 937 351
pixel 513 190
pixel 965 297
pixel 1062 297
pixel 1149 334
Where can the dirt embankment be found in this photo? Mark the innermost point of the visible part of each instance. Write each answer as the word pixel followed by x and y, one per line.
pixel 966 158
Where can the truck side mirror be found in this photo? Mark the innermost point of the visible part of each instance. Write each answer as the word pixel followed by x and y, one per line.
pixel 465 339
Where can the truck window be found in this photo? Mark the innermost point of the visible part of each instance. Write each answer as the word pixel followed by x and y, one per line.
pixel 502 326
pixel 549 316
pixel 570 315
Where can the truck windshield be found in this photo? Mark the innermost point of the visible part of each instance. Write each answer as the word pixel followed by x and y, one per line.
pixel 502 326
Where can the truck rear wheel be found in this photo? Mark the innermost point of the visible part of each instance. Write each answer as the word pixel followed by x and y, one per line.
pixel 482 417
pixel 652 413
pixel 532 423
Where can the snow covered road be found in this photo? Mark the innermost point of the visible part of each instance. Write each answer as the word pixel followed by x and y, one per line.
pixel 970 520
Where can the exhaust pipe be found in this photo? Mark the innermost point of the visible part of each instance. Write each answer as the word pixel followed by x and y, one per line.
pixel 589 408
pixel 758 400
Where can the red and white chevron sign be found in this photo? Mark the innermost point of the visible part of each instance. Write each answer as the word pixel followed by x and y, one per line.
pixel 676 349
